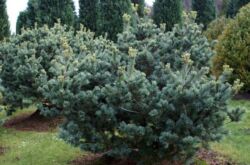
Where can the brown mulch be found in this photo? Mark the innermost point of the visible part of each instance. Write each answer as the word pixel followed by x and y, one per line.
pixel 98 159
pixel 2 150
pixel 33 122
pixel 242 96
pixel 211 157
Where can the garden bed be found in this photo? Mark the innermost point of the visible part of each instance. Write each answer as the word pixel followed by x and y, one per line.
pixel 203 156
pixel 33 122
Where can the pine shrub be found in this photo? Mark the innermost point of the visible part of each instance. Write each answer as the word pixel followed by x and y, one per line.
pixel 26 60
pixel 114 105
pixel 148 97
pixel 154 44
pixel 233 47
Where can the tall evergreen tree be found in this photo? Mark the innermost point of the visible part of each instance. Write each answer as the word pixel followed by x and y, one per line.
pixel 110 19
pixel 167 11
pixel 88 13
pixel 206 11
pixel 234 6
pixel 27 18
pixel 241 3
pixel 231 8
pixel 141 5
pixel 4 23
pixel 47 12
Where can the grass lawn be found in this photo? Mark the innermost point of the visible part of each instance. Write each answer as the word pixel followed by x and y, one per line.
pixel 33 148
pixel 236 145
pixel 30 148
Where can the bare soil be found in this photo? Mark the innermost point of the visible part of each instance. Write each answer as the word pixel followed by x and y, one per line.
pixel 2 150
pixel 242 96
pixel 33 122
pixel 212 158
pixel 98 159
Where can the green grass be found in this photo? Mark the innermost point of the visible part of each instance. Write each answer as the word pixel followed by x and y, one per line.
pixel 236 145
pixel 32 148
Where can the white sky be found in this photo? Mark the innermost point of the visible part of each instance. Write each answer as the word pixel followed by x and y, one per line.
pixel 15 6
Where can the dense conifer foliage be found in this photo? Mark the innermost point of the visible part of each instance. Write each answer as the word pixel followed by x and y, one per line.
pixel 233 47
pixel 216 28
pixel 4 22
pixel 141 89
pixel 115 104
pixel 206 11
pixel 88 13
pixel 110 16
pixel 26 58
pixel 146 37
pixel 168 12
pixel 48 12
pixel 149 96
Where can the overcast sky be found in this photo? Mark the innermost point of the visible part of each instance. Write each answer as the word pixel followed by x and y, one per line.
pixel 15 6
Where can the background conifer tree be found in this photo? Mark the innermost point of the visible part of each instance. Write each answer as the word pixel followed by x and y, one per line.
pixel 141 5
pixel 52 10
pixel 4 23
pixel 27 18
pixel 88 13
pixel 231 8
pixel 233 48
pixel 234 6
pixel 110 16
pixel 167 11
pixel 206 11
pixel 241 3
pixel 47 12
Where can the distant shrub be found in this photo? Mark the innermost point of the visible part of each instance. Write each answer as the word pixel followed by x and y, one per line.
pixel 216 28
pixel 233 47
pixel 148 97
